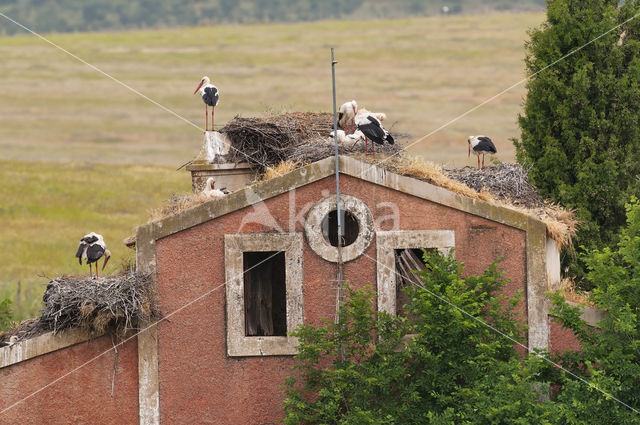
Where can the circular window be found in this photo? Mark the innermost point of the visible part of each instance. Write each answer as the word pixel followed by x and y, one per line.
pixel 349 225
pixel 321 227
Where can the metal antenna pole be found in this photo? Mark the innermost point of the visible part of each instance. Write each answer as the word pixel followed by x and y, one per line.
pixel 339 214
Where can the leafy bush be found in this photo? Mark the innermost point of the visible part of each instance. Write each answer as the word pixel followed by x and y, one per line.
pixel 610 355
pixel 579 129
pixel 452 369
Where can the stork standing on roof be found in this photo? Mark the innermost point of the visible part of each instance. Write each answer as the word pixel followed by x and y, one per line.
pixel 210 97
pixel 91 249
pixel 347 115
pixel 372 129
pixel 481 145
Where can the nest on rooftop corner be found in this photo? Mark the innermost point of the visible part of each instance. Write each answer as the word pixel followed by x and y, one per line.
pixel 117 304
pixel 299 137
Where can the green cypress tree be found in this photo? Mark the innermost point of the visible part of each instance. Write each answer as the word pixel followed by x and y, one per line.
pixel 580 129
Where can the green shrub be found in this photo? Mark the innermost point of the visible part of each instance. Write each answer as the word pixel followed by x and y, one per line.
pixel 610 355
pixel 453 369
pixel 579 128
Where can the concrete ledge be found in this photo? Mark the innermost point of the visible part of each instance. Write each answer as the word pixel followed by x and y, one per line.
pixel 43 344
pixel 589 314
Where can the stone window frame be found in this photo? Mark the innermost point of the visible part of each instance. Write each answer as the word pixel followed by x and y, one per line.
pixel 238 344
pixel 316 239
pixel 387 242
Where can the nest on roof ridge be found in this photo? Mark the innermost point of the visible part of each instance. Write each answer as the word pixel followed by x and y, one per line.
pixel 118 303
pixel 294 136
pixel 507 182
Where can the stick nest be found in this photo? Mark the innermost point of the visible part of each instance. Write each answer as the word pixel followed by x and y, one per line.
pixel 507 182
pixel 117 303
pixel 295 136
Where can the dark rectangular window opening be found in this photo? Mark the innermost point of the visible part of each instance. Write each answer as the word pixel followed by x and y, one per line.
pixel 407 262
pixel 265 293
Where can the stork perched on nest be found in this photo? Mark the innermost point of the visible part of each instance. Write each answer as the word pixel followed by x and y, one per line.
pixel 92 247
pixel 372 129
pixel 347 115
pixel 349 112
pixel 211 191
pixel 210 97
pixel 481 145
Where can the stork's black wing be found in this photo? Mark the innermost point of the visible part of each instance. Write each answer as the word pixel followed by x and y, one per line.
pixel 485 145
pixel 94 252
pixel 89 239
pixel 390 139
pixel 80 250
pixel 210 96
pixel 373 130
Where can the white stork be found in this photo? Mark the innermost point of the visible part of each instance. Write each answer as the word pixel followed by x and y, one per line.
pixel 481 145
pixel 372 129
pixel 210 97
pixel 347 115
pixel 92 248
pixel 354 138
pixel 211 191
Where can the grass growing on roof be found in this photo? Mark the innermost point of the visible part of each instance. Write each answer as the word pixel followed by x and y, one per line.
pixel 561 223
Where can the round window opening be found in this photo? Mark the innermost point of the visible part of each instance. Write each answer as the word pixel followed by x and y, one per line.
pixel 330 228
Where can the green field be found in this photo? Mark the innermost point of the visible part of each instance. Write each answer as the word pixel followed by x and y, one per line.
pixel 48 207
pixel 421 72
pixel 80 153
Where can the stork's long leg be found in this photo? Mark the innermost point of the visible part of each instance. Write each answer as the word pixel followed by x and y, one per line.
pixel 483 161
pixel 90 271
pixel 96 269
pixel 478 162
pixel 373 148
pixel 212 109
pixel 206 117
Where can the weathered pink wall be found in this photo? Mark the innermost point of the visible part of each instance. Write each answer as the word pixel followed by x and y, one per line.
pixel 561 339
pixel 83 397
pixel 199 383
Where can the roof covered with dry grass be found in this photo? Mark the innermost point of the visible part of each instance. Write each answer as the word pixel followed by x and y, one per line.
pixel 177 204
pixel 278 144
pixel 116 303
pixel 505 185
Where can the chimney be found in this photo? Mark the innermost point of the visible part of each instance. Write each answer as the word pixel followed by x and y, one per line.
pixel 214 161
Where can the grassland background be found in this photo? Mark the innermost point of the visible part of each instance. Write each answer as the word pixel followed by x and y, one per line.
pixel 80 153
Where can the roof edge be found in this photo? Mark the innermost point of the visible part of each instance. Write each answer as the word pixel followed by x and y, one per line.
pixel 410 185
pixel 42 344
pixel 315 171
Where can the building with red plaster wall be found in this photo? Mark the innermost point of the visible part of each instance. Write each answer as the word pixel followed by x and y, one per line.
pixel 232 276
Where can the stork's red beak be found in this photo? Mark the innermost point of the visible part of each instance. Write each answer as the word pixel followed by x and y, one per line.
pixel 469 151
pixel 213 185
pixel 201 82
pixel 106 260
